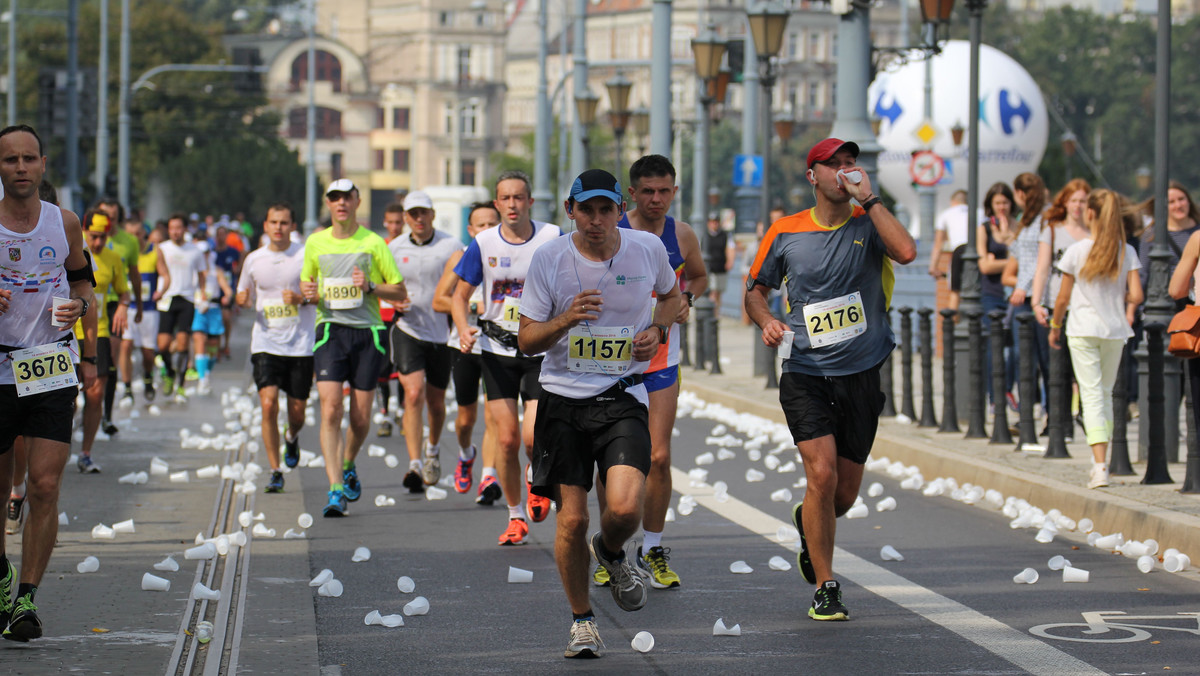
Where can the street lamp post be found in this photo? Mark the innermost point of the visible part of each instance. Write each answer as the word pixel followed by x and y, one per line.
pixel 310 169
pixel 708 50
pixel 767 24
pixel 1068 147
pixel 542 197
pixel 618 112
pixel 585 115
pixel 640 119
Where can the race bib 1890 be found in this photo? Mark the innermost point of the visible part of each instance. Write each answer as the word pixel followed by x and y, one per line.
pixel 43 368
pixel 600 349
pixel 835 321
pixel 341 293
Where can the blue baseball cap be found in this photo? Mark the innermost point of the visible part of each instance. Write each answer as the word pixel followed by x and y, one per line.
pixel 596 183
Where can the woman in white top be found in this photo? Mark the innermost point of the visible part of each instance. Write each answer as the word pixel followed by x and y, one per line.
pixel 1100 284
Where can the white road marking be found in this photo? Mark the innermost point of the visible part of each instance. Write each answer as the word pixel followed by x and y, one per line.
pixel 1022 650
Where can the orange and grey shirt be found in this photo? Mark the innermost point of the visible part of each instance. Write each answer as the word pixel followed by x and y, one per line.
pixel 838 284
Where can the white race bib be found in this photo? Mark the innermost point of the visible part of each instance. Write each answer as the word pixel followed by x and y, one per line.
pixel 510 315
pixel 43 368
pixel 164 304
pixel 835 321
pixel 341 293
pixel 202 304
pixel 600 349
pixel 280 315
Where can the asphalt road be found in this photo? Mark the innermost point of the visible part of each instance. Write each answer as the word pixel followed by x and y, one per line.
pixel 950 607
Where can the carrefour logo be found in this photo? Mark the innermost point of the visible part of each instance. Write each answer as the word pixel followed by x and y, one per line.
pixel 1009 106
pixel 890 112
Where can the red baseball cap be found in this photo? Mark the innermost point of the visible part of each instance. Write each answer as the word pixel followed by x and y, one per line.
pixel 828 148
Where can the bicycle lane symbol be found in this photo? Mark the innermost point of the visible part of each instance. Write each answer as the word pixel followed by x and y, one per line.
pixel 1114 626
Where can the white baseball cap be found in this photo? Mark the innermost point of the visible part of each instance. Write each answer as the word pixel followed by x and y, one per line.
pixel 341 185
pixel 417 199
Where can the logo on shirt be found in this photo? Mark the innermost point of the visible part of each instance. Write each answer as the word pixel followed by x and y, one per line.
pixel 14 254
pixel 631 279
pixel 491 261
pixel 506 262
pixel 858 242
pixel 46 255
pixel 404 260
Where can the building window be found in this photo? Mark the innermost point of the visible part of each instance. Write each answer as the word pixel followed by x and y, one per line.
pixel 793 45
pixel 470 120
pixel 335 165
pixel 329 69
pixel 400 119
pixel 814 45
pixel 329 123
pixel 445 18
pixel 467 175
pixel 400 159
pixel 464 64
pixel 378 160
pixel 379 117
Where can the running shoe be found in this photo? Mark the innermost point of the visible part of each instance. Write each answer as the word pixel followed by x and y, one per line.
pixel 1098 478
pixel 180 398
pixel 291 452
pixel 462 475
pixel 86 465
pixel 431 466
pixel 108 427
pixel 515 533
pixel 275 485
pixel 628 590
pixel 585 640
pixel 536 506
pixel 127 399
pixel 385 429
pixel 6 590
pixel 413 482
pixel 353 488
pixel 827 603
pixel 803 560
pixel 168 386
pixel 654 565
pixel 15 519
pixel 24 624
pixel 489 491
pixel 148 391
pixel 337 504
pixel 600 576
pixel 1012 402
pixel 205 387
pixel 191 374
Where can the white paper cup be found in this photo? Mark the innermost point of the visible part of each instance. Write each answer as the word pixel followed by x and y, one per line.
pixel 391 461
pixel 331 589
pixel 740 568
pixel 392 621
pixel 887 504
pixel 435 493
pixel 643 642
pixel 261 531
pixel 875 490
pixel 125 526
pixel 1045 536
pixel 1073 574
pixel 1146 563
pixel 305 520
pixel 719 629
pixel 59 302
pixel 1176 562
pixel 1057 562
pixel 201 552
pixel 63 519
pixel 779 563
pixel 519 575
pixel 291 534
pixel 103 532
pixel 322 577
pixel 373 617
pixel 1027 576
pixel 246 518
pixel 179 477
pixel 89 565
pixel 405 584
pixel 159 467
pixel 889 553
pixel 417 606
pixel 155 583
pixel 210 472
pixel 168 564
pixel 361 554
pixel 785 344
pixel 781 495
pixel 706 458
pixel 203 593
pixel 1109 541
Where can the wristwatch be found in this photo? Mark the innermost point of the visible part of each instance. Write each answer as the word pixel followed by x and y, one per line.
pixel 86 305
pixel 871 202
pixel 90 360
pixel 370 286
pixel 691 298
pixel 662 333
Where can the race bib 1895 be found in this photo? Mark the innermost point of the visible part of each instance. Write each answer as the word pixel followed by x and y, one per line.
pixel 835 321
pixel 341 293
pixel 600 349
pixel 280 315
pixel 43 368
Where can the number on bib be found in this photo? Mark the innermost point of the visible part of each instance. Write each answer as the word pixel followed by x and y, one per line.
pixel 607 349
pixel 278 314
pixel 43 368
pixel 510 314
pixel 835 321
pixel 342 294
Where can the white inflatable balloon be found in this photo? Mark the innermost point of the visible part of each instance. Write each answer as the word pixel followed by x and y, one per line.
pixel 1013 123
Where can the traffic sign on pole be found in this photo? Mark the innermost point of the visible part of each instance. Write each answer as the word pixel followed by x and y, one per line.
pixel 926 168
pixel 747 171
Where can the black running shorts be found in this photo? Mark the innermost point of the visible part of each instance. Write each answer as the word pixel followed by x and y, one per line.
pixel 178 318
pixel 46 416
pixel 411 355
pixel 293 375
pixel 572 438
pixel 506 377
pixel 467 370
pixel 846 407
pixel 344 353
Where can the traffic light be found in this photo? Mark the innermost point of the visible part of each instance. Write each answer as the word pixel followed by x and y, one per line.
pixel 735 51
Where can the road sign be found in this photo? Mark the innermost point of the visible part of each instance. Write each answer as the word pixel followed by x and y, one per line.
pixel 747 171
pixel 926 168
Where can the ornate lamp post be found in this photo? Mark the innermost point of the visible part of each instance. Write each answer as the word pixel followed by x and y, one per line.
pixel 1068 147
pixel 618 112
pixel 640 119
pixel 767 23
pixel 708 50
pixel 585 110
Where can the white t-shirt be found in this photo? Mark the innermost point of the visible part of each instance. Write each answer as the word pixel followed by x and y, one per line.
pixel 499 267
pixel 1061 240
pixel 472 320
pixel 1097 305
pixel 266 273
pixel 421 266
pixel 183 264
pixel 953 221
pixel 595 355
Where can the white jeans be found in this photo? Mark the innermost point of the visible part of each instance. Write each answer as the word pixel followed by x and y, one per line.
pixel 1096 361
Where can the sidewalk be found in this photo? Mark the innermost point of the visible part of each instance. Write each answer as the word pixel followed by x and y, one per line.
pixel 1139 511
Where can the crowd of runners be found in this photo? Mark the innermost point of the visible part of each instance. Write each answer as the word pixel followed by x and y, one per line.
pixel 574 338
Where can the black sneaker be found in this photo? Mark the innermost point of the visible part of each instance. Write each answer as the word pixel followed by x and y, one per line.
pixel 108 427
pixel 291 452
pixel 827 603
pixel 6 590
pixel 413 482
pixel 803 560
pixel 148 391
pixel 489 491
pixel 352 486
pixel 24 625
pixel 275 485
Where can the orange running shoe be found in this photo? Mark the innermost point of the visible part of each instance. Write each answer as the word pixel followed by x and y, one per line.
pixel 536 506
pixel 515 535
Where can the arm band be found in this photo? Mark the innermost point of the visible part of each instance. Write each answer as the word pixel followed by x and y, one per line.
pixel 82 274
